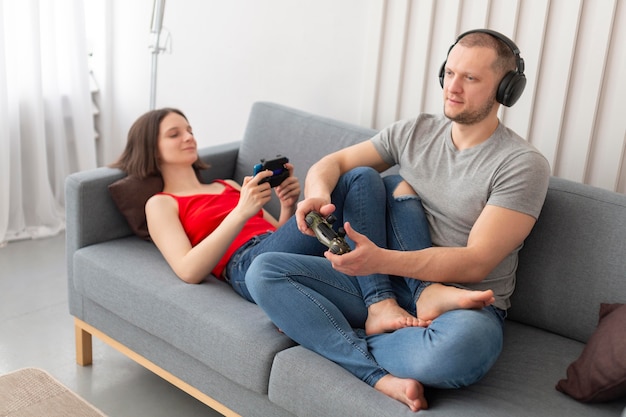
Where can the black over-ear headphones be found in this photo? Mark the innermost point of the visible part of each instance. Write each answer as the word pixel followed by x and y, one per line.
pixel 513 83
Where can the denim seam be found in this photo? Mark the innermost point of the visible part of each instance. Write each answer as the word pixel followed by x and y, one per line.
pixel 370 379
pixel 394 224
pixel 385 295
pixel 418 292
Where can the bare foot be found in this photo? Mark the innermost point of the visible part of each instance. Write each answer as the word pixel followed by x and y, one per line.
pixel 437 299
pixel 407 391
pixel 387 316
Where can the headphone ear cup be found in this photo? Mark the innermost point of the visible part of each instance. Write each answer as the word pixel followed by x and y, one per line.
pixel 442 73
pixel 511 88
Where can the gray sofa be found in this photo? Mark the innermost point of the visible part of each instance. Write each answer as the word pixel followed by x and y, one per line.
pixel 224 351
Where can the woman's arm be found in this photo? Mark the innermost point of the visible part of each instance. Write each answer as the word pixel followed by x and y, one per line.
pixel 193 263
pixel 266 215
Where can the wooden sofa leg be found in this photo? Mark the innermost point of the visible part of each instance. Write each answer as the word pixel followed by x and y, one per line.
pixel 83 345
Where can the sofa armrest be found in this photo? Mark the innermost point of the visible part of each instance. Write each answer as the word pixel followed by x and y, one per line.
pixel 91 214
pixel 90 217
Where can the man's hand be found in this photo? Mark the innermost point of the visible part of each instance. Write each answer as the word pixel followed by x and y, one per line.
pixel 308 205
pixel 364 259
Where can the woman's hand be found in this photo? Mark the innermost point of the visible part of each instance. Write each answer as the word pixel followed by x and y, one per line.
pixel 289 190
pixel 288 193
pixel 253 196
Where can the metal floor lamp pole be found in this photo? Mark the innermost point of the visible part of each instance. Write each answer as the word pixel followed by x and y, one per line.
pixel 158 9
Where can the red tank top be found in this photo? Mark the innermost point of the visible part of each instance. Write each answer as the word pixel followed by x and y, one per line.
pixel 201 214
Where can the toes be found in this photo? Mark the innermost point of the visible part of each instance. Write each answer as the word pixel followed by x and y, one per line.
pixel 423 323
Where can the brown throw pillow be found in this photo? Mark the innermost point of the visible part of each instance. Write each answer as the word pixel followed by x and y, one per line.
pixel 599 374
pixel 130 195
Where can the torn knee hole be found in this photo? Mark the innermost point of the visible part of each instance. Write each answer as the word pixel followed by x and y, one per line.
pixel 404 192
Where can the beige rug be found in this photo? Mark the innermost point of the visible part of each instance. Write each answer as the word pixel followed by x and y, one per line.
pixel 33 392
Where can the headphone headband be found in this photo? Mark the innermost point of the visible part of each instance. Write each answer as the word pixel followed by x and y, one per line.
pixel 512 84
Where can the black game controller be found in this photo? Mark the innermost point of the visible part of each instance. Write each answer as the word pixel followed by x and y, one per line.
pixel 277 166
pixel 326 234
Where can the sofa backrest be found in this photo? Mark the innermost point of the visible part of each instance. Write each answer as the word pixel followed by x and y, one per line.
pixel 304 138
pixel 573 260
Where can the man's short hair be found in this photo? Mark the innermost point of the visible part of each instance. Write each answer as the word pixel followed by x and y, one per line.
pixel 505 58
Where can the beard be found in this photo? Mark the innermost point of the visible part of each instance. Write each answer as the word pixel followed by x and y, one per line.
pixel 470 117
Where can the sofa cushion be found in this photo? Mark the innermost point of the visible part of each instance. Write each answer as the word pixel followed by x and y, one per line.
pixel 572 261
pixel 208 321
pixel 130 195
pixel 520 383
pixel 599 374
pixel 299 373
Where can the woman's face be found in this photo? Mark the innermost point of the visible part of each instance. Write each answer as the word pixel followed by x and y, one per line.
pixel 176 144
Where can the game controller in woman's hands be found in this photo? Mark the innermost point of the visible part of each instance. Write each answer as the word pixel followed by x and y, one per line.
pixel 279 171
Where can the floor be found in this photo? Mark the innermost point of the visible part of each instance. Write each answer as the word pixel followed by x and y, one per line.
pixel 36 330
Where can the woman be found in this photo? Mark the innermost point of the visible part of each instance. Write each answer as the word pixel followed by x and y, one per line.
pixel 221 227
pixel 201 228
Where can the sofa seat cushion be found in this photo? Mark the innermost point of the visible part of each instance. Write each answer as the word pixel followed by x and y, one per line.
pixel 521 383
pixel 301 383
pixel 525 375
pixel 208 321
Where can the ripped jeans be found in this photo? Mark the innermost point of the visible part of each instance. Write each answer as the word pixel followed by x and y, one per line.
pixel 323 310
pixel 358 198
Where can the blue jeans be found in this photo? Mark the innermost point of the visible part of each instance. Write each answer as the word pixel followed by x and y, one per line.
pixel 457 349
pixel 358 199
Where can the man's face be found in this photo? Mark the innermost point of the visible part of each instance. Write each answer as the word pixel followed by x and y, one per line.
pixel 469 89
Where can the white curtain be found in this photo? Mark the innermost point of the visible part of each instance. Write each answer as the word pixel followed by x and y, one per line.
pixel 46 114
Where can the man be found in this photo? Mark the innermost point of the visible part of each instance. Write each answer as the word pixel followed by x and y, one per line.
pixel 482 188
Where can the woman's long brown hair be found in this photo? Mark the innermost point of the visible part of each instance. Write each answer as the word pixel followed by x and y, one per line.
pixel 141 156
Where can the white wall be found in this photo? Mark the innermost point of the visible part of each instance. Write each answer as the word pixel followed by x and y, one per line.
pixel 227 54
pixel 370 62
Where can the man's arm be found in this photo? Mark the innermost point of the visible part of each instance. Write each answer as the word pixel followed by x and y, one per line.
pixel 324 174
pixel 496 233
pixel 322 177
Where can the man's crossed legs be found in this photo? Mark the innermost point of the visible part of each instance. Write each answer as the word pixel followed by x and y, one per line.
pixel 324 310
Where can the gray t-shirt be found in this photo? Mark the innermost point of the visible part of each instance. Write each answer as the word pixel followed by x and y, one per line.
pixel 455 186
